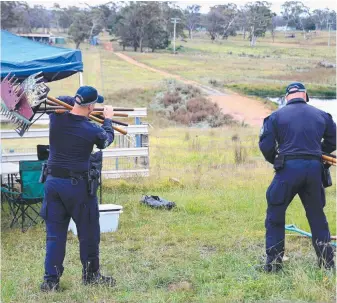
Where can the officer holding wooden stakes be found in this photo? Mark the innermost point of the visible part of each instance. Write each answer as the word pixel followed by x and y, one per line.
pixel 67 195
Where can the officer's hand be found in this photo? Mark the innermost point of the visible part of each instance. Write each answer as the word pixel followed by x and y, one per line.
pixel 108 112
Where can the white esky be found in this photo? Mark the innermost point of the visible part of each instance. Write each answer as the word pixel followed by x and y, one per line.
pixel 205 5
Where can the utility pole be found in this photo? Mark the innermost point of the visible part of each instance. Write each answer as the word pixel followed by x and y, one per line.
pixel 329 25
pixel 174 21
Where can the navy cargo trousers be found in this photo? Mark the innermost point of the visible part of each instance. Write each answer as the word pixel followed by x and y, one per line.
pixel 67 198
pixel 302 177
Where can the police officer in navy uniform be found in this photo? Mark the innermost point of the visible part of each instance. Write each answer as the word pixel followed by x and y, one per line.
pixel 72 138
pixel 293 139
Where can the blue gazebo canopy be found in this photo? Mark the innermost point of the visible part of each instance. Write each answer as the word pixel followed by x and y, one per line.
pixel 24 57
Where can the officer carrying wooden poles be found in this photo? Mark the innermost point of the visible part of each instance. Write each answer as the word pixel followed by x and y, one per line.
pixel 72 138
pixel 291 139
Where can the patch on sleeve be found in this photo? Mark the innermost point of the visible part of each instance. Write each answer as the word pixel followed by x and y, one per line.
pixel 261 130
pixel 104 136
pixel 264 126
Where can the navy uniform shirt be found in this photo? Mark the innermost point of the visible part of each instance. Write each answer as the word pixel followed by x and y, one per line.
pixel 73 137
pixel 297 129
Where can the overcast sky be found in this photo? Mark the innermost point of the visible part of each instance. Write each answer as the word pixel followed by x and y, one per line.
pixel 205 5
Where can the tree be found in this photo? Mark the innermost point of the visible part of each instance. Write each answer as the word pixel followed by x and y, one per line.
pixel 169 10
pixel 192 16
pixel 320 16
pixel 213 23
pixel 99 16
pixel 273 25
pixel 22 12
pixel 332 19
pixel 220 21
pixel 144 24
pixel 323 17
pixel 39 17
pixel 14 14
pixel 157 37
pixel 66 16
pixel 80 28
pixel 294 12
pixel 9 18
pixel 308 24
pixel 242 21
pixel 259 17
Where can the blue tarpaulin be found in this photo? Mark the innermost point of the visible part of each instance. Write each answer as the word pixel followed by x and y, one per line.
pixel 23 57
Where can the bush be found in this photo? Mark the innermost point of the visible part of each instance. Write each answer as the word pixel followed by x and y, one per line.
pixel 171 98
pixel 185 104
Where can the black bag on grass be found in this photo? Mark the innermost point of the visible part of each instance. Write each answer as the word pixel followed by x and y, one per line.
pixel 157 202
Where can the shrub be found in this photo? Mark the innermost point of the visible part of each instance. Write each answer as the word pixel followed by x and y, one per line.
pixel 185 104
pixel 171 98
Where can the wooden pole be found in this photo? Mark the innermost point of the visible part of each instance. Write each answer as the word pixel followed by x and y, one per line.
pixel 67 106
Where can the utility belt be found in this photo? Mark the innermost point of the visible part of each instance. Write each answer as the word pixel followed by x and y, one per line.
pixel 326 176
pixel 92 176
pixel 302 157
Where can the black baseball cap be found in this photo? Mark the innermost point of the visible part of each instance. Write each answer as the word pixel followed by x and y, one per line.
pixel 88 95
pixel 296 87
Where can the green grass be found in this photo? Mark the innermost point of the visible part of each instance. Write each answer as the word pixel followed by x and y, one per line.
pixel 264 70
pixel 277 90
pixel 205 250
pixel 106 72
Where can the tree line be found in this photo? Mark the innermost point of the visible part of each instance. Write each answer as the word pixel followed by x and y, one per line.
pixel 149 24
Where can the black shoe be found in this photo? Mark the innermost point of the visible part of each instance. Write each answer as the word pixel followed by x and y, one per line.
pixel 327 265
pixel 50 286
pixel 272 267
pixel 98 279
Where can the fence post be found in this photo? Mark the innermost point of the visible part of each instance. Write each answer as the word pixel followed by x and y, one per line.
pixel 138 137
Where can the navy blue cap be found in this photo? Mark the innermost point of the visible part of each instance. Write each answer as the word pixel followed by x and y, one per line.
pixel 296 87
pixel 88 95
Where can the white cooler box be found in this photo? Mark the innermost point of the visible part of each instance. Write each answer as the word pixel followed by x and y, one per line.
pixel 108 218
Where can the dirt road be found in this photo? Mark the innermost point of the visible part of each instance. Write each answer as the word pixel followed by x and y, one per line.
pixel 243 109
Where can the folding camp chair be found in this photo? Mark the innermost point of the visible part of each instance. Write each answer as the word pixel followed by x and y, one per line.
pixel 26 204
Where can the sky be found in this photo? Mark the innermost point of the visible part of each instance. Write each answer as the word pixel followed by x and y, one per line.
pixel 205 5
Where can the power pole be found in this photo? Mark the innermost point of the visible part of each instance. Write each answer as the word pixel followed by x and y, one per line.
pixel 329 25
pixel 174 21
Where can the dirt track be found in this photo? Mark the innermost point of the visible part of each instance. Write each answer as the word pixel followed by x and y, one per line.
pixel 242 108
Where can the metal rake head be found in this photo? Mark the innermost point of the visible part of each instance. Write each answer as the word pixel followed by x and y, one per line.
pixel 18 101
pixel 36 90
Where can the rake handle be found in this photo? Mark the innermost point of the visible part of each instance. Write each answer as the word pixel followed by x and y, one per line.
pixel 98 109
pixel 63 110
pixel 67 106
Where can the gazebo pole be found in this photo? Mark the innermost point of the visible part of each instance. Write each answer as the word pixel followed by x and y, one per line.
pixel 81 78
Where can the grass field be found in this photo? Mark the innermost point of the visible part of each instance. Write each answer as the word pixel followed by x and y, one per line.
pixel 107 73
pixel 206 249
pixel 268 67
pixel 265 69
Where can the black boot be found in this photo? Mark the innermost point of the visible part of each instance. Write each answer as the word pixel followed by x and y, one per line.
pixel 273 264
pixel 50 286
pixel 325 256
pixel 97 279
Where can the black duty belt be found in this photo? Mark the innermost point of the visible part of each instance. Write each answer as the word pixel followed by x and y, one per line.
pixel 302 157
pixel 59 172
